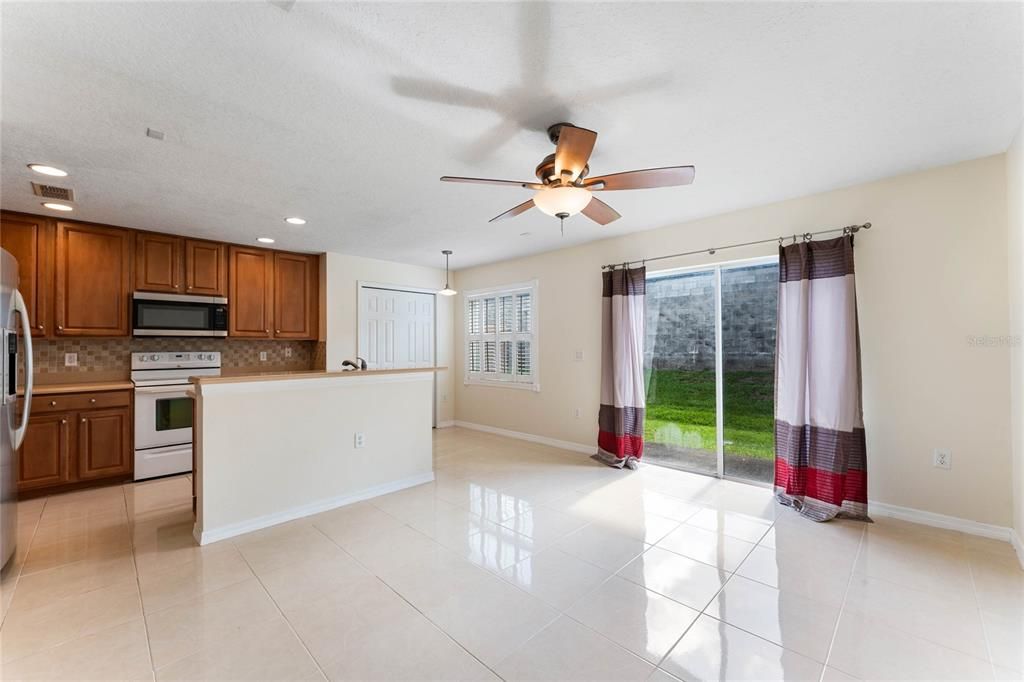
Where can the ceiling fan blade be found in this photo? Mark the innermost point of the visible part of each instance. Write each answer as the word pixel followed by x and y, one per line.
pixel 670 176
pixel 488 181
pixel 600 212
pixel 574 148
pixel 513 212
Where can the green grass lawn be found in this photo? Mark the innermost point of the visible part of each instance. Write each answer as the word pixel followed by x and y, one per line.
pixel 681 411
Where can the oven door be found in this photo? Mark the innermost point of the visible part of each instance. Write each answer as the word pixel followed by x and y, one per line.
pixel 163 416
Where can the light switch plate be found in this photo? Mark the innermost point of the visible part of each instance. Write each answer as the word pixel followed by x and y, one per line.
pixel 71 359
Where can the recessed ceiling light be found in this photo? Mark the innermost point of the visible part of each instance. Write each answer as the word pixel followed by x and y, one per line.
pixel 265 240
pixel 48 170
pixel 525 234
pixel 295 221
pixel 57 207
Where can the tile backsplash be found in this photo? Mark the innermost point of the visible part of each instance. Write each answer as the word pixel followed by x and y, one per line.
pixel 113 356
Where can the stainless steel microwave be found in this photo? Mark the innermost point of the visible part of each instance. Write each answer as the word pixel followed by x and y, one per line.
pixel 178 315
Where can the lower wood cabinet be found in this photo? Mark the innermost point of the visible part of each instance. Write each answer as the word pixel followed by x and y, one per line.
pixel 76 437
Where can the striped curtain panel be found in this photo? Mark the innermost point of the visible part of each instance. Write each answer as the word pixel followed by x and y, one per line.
pixel 820 456
pixel 620 437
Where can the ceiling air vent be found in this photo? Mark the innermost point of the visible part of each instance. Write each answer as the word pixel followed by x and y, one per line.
pixel 53 192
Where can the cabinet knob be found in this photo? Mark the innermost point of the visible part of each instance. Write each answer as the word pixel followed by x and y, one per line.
pixel 266 331
pixel 83 420
pixel 60 326
pixel 53 403
pixel 63 421
pixel 39 327
pixel 277 331
pixel 92 400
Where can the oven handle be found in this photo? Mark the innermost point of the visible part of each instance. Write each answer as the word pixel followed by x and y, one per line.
pixel 177 388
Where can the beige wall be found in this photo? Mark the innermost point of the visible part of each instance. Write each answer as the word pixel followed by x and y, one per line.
pixel 931 275
pixel 1015 214
pixel 341 276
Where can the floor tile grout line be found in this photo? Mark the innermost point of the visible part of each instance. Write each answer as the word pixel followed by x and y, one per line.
pixel 842 604
pixel 138 585
pixel 981 618
pixel 21 568
pixel 281 612
pixel 403 598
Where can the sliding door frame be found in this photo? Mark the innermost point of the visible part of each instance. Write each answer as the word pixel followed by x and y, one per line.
pixel 716 270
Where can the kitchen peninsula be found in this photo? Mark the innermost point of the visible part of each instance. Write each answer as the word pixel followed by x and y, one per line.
pixel 270 448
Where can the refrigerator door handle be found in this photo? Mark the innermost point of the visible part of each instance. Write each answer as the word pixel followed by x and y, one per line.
pixel 18 434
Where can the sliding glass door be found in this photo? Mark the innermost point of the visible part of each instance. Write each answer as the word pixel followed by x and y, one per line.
pixel 710 354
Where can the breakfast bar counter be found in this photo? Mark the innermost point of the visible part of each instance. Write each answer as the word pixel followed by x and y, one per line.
pixel 279 446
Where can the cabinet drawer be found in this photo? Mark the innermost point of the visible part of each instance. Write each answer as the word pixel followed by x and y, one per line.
pixel 80 401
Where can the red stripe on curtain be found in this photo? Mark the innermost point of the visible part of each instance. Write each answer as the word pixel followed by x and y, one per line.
pixel 822 485
pixel 620 446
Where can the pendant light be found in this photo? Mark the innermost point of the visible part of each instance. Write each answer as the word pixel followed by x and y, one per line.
pixel 447 291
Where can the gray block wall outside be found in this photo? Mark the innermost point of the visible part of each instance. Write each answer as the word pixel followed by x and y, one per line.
pixel 681 319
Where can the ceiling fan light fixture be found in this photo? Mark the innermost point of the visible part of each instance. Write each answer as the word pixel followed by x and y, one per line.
pixel 563 199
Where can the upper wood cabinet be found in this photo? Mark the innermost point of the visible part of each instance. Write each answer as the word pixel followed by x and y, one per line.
pixel 93 270
pixel 175 265
pixel 206 268
pixel 296 284
pixel 251 292
pixel 158 262
pixel 30 240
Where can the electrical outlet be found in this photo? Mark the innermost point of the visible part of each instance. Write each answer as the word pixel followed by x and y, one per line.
pixel 287 352
pixel 578 356
pixel 263 356
pixel 576 413
pixel 360 439
pixel 444 397
pixel 71 359
pixel 942 459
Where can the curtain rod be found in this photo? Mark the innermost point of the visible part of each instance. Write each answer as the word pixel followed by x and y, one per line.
pixel 849 229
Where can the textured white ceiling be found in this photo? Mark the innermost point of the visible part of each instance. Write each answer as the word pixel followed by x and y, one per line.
pixel 346 114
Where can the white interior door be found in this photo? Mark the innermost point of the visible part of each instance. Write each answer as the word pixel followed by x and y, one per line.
pixel 396 328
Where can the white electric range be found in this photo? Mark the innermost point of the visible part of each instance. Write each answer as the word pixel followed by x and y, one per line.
pixel 163 409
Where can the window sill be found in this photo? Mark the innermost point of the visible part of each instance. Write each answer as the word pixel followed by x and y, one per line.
pixel 503 384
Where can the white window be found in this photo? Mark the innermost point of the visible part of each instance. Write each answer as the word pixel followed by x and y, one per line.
pixel 501 336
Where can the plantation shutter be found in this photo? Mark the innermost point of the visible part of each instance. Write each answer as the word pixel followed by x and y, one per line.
pixel 500 336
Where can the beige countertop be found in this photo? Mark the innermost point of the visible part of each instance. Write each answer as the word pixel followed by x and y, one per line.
pixel 80 387
pixel 241 377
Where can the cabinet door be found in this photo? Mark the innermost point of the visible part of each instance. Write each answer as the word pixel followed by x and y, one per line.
pixel 30 240
pixel 206 268
pixel 44 458
pixel 251 292
pixel 158 262
pixel 104 443
pixel 92 282
pixel 296 279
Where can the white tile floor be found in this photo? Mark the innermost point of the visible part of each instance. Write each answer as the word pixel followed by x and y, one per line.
pixel 519 562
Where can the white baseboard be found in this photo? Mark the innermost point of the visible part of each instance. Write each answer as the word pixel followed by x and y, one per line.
pixel 1018 546
pixel 985 530
pixel 543 440
pixel 445 424
pixel 205 537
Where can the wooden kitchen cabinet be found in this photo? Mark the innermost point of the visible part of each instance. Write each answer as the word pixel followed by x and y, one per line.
pixel 93 269
pixel 250 292
pixel 104 443
pixel 44 458
pixel 158 262
pixel 76 438
pixel 206 268
pixel 296 284
pixel 30 240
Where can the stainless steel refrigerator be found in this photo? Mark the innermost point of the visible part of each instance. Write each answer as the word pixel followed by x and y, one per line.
pixel 13 412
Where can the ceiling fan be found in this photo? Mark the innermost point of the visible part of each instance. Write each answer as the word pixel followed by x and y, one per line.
pixel 564 188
